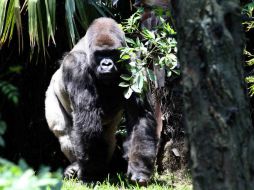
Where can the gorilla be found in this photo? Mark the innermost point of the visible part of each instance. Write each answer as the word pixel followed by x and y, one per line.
pixel 84 106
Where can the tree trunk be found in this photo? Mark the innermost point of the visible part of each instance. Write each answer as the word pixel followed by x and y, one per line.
pixel 221 137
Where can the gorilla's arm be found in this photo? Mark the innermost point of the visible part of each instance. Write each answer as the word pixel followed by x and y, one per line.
pixel 57 115
pixel 142 138
pixel 87 126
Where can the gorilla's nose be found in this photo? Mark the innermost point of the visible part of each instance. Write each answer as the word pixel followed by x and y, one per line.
pixel 107 64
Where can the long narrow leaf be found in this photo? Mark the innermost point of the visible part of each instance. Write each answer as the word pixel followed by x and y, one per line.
pixel 32 23
pixel 8 19
pixel 37 26
pixel 3 7
pixel 98 9
pixel 17 13
pixel 51 19
pixel 9 23
pixel 40 27
pixel 81 9
pixel 70 10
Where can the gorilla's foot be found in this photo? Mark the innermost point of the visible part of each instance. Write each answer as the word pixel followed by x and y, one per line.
pixel 72 171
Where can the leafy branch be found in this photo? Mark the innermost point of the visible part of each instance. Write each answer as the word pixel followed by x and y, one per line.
pixel 146 50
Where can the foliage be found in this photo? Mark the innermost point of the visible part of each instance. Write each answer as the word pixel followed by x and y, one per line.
pixel 42 19
pixel 8 92
pixel 12 94
pixel 150 50
pixel 2 131
pixel 9 17
pixel 20 177
pixel 248 10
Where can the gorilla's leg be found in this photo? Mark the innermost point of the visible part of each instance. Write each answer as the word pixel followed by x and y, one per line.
pixel 89 145
pixel 94 144
pixel 59 122
pixel 141 146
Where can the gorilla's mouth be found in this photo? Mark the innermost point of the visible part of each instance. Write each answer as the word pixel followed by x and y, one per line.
pixel 109 78
pixel 109 75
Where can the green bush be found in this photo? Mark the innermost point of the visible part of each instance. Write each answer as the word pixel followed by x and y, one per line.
pixel 21 177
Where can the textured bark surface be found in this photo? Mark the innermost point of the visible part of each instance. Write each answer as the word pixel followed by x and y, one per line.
pixel 216 109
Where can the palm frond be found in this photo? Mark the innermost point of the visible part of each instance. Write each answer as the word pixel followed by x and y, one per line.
pixel 42 19
pixel 10 16
pixel 70 10
pixel 3 6
pixel 18 21
pixel 51 19
pixel 82 16
pixel 97 7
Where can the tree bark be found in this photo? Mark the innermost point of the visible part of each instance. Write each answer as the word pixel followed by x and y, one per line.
pixel 217 116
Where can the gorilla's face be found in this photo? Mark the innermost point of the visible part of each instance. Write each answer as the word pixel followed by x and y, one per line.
pixel 107 66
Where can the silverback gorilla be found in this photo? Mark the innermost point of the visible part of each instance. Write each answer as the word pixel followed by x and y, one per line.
pixel 84 106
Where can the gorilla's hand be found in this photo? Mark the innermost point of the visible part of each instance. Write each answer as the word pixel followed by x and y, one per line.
pixel 72 171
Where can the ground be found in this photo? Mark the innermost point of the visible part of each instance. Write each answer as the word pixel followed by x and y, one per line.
pixel 179 180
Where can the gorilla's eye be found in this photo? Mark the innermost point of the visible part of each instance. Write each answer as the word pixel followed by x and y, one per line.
pixel 111 54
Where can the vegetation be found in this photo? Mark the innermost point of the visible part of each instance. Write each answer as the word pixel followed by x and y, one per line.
pixel 8 93
pixel 160 182
pixel 248 10
pixel 146 49
pixel 154 49
pixel 42 21
pixel 21 177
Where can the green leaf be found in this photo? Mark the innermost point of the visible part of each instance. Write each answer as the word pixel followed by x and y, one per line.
pixel 250 62
pixel 148 34
pixel 18 23
pixel 135 88
pixel 12 16
pixel 133 64
pixel 169 73
pixel 36 25
pixel 130 41
pixel 23 165
pixel 51 19
pixel 140 81
pixel 2 143
pixel 15 69
pixel 82 13
pixel 9 91
pixel 128 93
pixel 126 77
pixel 3 8
pixel 98 8
pixel 150 74
pixel 3 127
pixel 125 57
pixel 249 79
pixel 124 84
pixel 69 14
